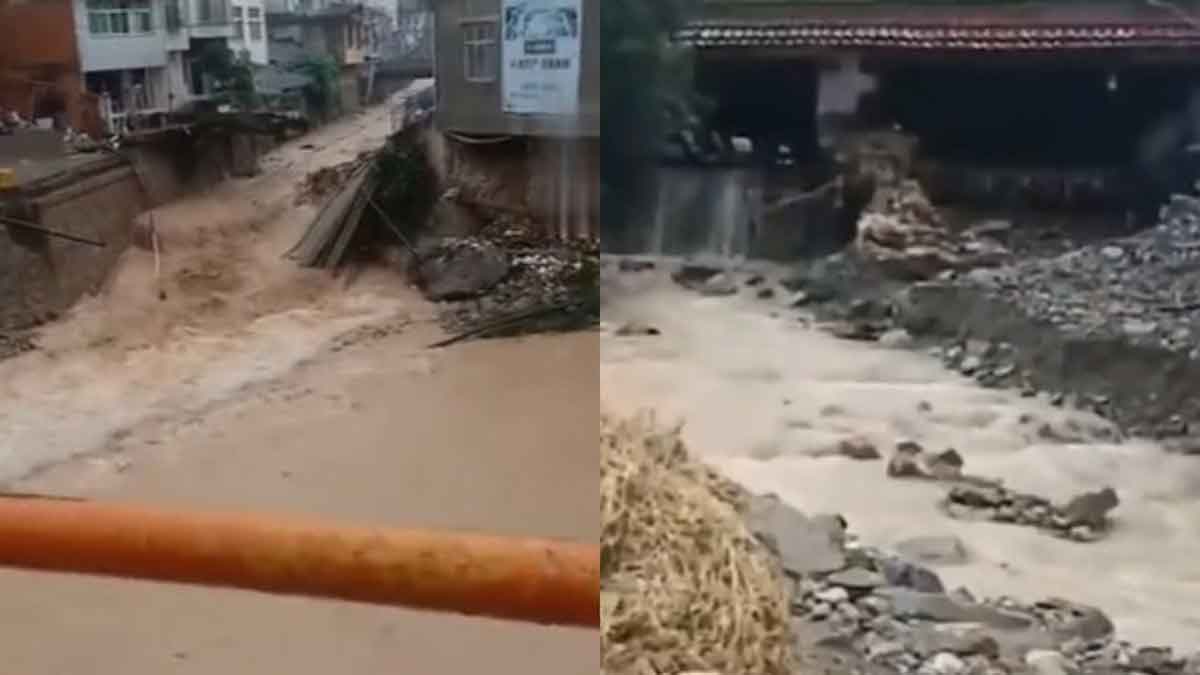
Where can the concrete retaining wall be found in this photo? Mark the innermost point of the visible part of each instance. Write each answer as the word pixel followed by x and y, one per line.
pixel 41 276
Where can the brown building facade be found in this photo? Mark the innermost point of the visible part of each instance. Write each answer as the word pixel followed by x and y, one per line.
pixel 40 72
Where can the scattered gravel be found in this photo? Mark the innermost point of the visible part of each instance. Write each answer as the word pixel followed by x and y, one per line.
pixel 1142 288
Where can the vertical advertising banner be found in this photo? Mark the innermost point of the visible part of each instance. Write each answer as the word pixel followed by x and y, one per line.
pixel 541 54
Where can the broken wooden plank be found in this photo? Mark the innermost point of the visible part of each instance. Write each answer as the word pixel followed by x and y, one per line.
pixel 324 230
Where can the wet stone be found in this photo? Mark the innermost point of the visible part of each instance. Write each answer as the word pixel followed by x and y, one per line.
pixel 833 596
pixel 805 545
pixel 1082 533
pixel 1152 659
pixel 957 638
pixel 820 611
pixel 858 447
pixel 718 286
pixel 977 496
pixel 1046 662
pixel 896 338
pixel 1091 508
pixel 941 608
pixel 944 663
pixel 946 464
pixel 632 265
pixel 857 579
pixel 935 550
pixel 905 574
pixel 692 273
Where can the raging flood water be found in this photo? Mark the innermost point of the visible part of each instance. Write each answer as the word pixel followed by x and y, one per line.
pixel 761 397
pixel 493 436
pixel 226 377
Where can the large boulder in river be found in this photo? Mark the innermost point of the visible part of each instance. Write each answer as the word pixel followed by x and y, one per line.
pixel 461 269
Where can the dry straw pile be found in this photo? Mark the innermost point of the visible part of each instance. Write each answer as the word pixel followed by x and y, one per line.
pixel 686 587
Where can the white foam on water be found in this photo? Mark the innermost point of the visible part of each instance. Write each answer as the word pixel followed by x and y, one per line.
pixel 761 397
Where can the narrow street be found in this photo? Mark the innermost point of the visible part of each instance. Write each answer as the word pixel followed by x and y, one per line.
pixel 256 385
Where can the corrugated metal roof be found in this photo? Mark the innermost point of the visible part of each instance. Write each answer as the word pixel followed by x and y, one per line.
pixel 1025 27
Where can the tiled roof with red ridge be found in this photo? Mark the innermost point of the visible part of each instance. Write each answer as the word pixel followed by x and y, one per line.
pixel 995 27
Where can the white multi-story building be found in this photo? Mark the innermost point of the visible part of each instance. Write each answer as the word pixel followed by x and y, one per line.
pixel 141 56
pixel 250 30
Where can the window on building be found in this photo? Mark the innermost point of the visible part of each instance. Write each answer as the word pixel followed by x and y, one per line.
pixel 120 17
pixel 239 25
pixel 256 23
pixel 481 53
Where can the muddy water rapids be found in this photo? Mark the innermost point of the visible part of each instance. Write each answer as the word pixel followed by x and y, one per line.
pixel 256 385
pixel 763 397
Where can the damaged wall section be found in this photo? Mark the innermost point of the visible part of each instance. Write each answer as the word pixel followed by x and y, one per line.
pixel 42 276
pixel 553 182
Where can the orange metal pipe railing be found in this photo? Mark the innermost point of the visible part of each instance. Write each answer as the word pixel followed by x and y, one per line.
pixel 535 580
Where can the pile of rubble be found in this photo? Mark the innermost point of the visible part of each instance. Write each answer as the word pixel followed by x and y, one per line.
pixel 1141 288
pixel 893 613
pixel 902 234
pixel 327 180
pixel 509 273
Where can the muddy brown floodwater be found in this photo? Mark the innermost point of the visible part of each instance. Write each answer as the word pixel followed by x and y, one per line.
pixel 259 386
pixel 764 398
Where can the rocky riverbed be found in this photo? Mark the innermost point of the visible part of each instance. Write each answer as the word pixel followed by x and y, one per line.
pixel 889 610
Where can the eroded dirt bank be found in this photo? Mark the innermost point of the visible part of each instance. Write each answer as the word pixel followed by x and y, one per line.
pixel 234 379
pixel 765 398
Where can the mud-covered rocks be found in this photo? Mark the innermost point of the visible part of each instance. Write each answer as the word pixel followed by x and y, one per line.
pixel 890 613
pixel 911 460
pixel 636 265
pixel 859 448
pixel 902 573
pixel 1084 518
pixel 459 269
pixel 695 275
pixel 1090 509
